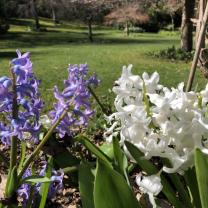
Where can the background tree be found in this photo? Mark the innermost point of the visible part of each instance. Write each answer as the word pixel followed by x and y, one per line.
pixel 126 14
pixel 33 7
pixel 187 25
pixel 172 6
pixel 90 12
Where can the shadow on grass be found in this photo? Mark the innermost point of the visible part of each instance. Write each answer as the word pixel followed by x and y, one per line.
pixel 62 25
pixel 7 54
pixel 34 39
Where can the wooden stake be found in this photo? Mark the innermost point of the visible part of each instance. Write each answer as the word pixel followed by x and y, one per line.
pixel 198 48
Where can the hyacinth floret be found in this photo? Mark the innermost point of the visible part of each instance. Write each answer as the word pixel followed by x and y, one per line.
pixel 26 124
pixel 75 96
pixel 162 122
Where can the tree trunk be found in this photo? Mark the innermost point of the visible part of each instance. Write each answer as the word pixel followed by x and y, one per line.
pixel 54 15
pixel 127 28
pixel 201 9
pixel 53 10
pixel 172 22
pixel 90 30
pixel 187 25
pixel 35 15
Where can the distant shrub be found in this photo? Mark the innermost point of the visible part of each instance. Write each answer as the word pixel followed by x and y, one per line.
pixel 151 26
pixel 173 54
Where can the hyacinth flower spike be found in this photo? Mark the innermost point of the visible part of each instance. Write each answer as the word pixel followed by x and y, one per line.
pixel 21 105
pixel 75 97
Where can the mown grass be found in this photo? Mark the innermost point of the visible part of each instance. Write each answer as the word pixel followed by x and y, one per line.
pixel 56 47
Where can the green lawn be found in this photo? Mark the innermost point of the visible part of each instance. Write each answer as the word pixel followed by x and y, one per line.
pixel 52 51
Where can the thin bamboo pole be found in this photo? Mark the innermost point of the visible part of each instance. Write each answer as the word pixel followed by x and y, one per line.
pixel 198 48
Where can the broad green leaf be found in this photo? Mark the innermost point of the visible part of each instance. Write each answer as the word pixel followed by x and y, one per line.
pixel 12 182
pixel 107 148
pixel 45 186
pixel 120 159
pixel 191 183
pixel 65 159
pixel 36 179
pixel 86 185
pixel 93 148
pixel 148 167
pixel 180 187
pixel 201 165
pixel 111 189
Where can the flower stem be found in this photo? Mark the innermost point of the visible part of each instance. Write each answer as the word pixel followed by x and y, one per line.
pixel 98 101
pixel 13 154
pixel 71 169
pixel 41 144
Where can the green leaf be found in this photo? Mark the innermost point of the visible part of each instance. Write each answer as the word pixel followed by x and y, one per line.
pixel 11 183
pixel 36 179
pixel 191 182
pixel 30 199
pixel 65 159
pixel 45 186
pixel 180 187
pixel 107 148
pixel 93 148
pixel 138 156
pixel 111 189
pixel 86 185
pixel 148 167
pixel 120 159
pixel 23 152
pixel 201 164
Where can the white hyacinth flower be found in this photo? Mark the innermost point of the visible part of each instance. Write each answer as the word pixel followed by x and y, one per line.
pixel 161 122
pixel 150 185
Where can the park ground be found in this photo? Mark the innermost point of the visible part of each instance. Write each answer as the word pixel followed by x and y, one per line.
pixel 57 46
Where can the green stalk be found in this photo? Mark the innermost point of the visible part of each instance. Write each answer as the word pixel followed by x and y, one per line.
pixel 30 200
pixel 41 144
pixel 13 154
pixel 23 153
pixel 98 101
pixel 10 188
pixel 71 169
